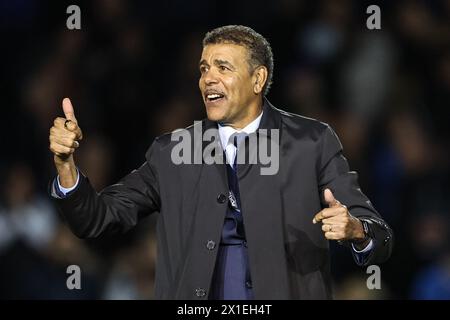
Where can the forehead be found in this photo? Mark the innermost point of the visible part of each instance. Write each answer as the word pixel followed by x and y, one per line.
pixel 224 51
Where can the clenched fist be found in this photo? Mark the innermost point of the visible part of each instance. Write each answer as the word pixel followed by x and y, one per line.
pixel 338 223
pixel 65 135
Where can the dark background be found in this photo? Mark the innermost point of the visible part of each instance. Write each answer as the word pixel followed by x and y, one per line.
pixel 132 74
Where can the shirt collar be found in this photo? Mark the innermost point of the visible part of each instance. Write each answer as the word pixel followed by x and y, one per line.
pixel 225 132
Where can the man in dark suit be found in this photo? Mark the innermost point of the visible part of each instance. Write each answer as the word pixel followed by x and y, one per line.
pixel 227 230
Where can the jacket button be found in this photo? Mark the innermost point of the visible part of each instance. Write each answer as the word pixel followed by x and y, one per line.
pixel 210 245
pixel 221 198
pixel 386 240
pixel 248 284
pixel 199 292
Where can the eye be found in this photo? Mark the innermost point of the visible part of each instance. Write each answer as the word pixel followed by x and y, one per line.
pixel 223 68
pixel 203 69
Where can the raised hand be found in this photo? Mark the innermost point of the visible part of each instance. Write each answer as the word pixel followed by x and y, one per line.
pixel 65 135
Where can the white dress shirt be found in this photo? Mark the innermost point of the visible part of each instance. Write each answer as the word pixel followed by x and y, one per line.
pixel 225 132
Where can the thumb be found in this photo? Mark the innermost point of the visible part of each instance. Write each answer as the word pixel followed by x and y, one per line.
pixel 330 199
pixel 68 110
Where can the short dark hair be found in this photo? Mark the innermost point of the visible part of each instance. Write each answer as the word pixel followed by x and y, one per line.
pixel 258 47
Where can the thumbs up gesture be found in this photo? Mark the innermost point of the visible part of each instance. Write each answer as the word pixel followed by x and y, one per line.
pixel 337 222
pixel 65 134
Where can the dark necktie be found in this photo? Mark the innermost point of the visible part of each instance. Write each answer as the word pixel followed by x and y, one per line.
pixel 232 273
pixel 238 140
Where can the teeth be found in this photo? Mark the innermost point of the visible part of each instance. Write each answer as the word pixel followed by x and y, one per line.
pixel 213 96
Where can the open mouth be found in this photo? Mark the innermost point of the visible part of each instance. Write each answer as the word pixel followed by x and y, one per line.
pixel 214 96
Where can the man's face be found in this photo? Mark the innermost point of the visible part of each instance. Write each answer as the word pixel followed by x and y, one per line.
pixel 226 83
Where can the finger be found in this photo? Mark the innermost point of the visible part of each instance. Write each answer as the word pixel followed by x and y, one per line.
pixel 60 124
pixel 60 150
pixel 327 213
pixel 333 235
pixel 318 217
pixel 333 228
pixel 64 133
pixel 337 219
pixel 65 141
pixel 73 127
pixel 69 113
pixel 330 199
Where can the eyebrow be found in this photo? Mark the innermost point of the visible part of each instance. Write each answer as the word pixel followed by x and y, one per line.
pixel 223 62
pixel 217 62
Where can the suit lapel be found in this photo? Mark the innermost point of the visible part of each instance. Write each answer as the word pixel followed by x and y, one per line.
pixel 262 212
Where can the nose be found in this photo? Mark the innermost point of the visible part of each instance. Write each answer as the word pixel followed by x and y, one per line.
pixel 210 77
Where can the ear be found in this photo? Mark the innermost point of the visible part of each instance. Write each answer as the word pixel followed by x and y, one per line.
pixel 259 79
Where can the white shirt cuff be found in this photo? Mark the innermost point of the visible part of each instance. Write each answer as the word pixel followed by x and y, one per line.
pixel 366 249
pixel 65 191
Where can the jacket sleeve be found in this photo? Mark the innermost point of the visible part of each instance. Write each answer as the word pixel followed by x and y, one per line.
pixel 334 173
pixel 118 207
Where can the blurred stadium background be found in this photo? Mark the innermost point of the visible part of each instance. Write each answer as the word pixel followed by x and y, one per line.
pixel 132 74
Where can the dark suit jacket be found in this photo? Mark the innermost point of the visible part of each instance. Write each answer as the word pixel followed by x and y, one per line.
pixel 288 254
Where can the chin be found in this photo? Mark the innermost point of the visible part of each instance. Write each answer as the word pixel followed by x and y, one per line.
pixel 215 115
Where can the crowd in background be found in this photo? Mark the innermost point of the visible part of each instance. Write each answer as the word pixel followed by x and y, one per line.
pixel 132 74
